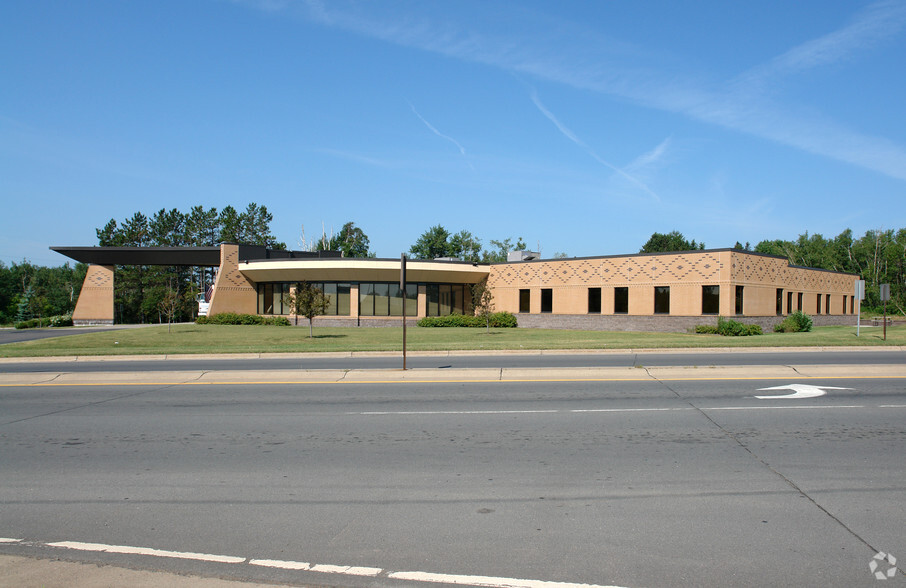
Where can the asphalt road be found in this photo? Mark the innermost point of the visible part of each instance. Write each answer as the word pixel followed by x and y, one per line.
pixel 505 360
pixel 9 335
pixel 685 483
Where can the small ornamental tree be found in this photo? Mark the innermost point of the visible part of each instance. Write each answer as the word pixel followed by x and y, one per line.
pixel 307 301
pixel 168 306
pixel 483 302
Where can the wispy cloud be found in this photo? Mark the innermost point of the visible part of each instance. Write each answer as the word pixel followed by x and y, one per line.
pixel 650 158
pixel 580 59
pixel 433 129
pixel 569 134
pixel 867 29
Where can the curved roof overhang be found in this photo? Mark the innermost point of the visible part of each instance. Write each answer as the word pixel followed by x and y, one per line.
pixel 362 270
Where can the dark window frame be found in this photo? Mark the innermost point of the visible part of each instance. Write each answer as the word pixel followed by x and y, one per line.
pixel 547 300
pixel 662 300
pixel 621 300
pixel 594 301
pixel 710 300
pixel 525 300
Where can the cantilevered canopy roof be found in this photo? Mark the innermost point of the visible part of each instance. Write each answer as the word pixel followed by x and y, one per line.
pixel 193 256
pixel 362 270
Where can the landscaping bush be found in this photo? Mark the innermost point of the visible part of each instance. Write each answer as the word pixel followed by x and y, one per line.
pixel 797 322
pixel 729 328
pixel 232 318
pixel 498 320
pixel 64 320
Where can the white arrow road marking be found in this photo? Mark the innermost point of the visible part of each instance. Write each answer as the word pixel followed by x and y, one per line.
pixel 800 391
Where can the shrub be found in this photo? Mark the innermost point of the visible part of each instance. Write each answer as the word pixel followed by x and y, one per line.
pixel 232 318
pixel 731 328
pixel 64 320
pixel 796 322
pixel 498 320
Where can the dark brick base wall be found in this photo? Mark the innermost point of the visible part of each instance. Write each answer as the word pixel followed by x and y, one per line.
pixel 664 324
pixel 323 321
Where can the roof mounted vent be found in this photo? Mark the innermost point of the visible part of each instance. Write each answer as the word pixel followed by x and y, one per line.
pixel 522 255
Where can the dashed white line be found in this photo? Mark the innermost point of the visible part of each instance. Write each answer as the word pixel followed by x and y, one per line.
pixel 8 540
pixel 488 581
pixel 605 410
pixel 456 579
pixel 147 551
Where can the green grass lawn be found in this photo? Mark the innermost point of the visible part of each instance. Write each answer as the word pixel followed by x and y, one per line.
pixel 156 340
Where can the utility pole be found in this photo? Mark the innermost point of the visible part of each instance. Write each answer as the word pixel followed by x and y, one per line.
pixel 403 291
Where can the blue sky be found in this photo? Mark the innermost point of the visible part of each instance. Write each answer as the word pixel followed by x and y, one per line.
pixel 582 127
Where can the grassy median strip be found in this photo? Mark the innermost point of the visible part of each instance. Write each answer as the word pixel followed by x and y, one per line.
pixel 200 339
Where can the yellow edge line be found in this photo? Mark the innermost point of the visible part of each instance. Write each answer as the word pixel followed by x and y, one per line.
pixel 481 381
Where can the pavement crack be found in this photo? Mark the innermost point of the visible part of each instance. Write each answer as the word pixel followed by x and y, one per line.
pixel 792 367
pixel 86 405
pixel 788 481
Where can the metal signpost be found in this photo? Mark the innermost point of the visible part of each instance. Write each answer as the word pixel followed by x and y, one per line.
pixel 885 296
pixel 403 290
pixel 860 296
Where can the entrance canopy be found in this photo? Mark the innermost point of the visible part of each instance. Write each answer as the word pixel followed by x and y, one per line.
pixel 194 256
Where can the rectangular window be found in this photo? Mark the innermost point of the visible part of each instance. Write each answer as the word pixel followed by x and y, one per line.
pixel 789 302
pixel 818 305
pixel 396 300
pixel 547 300
pixel 432 293
pixel 662 300
pixel 739 300
pixel 386 299
pixel 799 301
pixel 594 301
pixel 525 300
pixel 710 299
pixel 779 301
pixel 852 305
pixel 446 299
pixel 827 303
pixel 270 298
pixel 621 300
pixel 366 299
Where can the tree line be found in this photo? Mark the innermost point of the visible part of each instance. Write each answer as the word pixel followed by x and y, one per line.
pixel 439 242
pixel 30 291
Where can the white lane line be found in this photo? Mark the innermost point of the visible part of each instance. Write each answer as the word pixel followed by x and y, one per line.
pixel 347 570
pixel 892 406
pixel 606 410
pixel 445 412
pixel 8 540
pixel 488 581
pixel 279 563
pixel 825 407
pixel 147 551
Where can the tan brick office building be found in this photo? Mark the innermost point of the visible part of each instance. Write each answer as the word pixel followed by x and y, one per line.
pixel 658 292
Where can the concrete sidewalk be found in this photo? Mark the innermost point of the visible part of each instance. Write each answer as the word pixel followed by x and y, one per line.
pixel 442 375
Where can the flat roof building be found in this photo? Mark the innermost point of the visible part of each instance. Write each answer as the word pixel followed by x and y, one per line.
pixel 653 292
